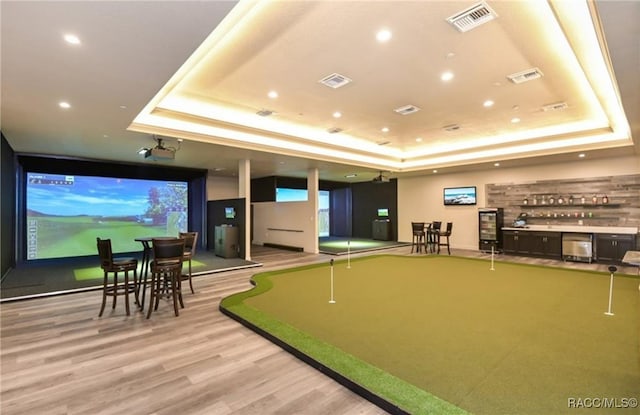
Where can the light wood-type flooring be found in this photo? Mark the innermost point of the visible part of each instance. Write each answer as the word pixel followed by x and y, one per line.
pixel 58 357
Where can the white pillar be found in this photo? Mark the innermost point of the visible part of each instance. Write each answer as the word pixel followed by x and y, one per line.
pixel 313 186
pixel 244 190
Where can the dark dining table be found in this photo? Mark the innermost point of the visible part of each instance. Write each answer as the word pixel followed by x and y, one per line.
pixel 147 249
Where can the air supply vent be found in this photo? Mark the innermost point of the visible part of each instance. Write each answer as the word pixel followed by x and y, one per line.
pixel 264 113
pixel 451 127
pixel 407 109
pixel 555 107
pixel 334 130
pixel 472 17
pixel 524 76
pixel 335 80
pixel 383 143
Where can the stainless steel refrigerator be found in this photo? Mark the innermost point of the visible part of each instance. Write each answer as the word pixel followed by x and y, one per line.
pixel 490 222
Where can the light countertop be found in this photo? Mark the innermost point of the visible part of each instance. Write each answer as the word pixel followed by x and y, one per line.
pixel 576 228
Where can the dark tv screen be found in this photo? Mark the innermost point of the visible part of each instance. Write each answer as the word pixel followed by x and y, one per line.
pixel 460 195
pixel 66 213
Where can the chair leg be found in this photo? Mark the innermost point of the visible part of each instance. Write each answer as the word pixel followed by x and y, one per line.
pixel 448 248
pixel 115 290
pixel 175 280
pixel 152 296
pixel 126 292
pixel 104 293
pixel 190 283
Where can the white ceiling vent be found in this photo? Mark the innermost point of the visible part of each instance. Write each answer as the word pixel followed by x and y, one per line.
pixel 555 107
pixel 407 109
pixel 264 113
pixel 524 76
pixel 451 127
pixel 472 17
pixel 335 80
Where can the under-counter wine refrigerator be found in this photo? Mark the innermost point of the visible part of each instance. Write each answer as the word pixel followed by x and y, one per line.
pixel 490 222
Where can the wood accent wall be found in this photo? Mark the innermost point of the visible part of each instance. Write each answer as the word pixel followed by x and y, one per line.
pixel 623 208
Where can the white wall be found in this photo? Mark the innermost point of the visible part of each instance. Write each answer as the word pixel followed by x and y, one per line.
pixel 285 223
pixel 420 198
pixel 220 188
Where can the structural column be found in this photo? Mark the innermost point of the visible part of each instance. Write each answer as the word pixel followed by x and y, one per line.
pixel 313 186
pixel 244 191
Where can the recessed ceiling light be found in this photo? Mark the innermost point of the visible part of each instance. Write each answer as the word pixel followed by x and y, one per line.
pixel 450 55
pixel 273 94
pixel 383 35
pixel 496 164
pixel 105 135
pixel 582 155
pixel 350 176
pixel 435 171
pixel 337 114
pixel 385 129
pixel 488 103
pixel 64 105
pixel 446 76
pixel 72 39
pixel 419 139
pixel 515 120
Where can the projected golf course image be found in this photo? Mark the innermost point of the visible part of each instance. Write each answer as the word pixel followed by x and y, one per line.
pixel 445 335
pixel 66 213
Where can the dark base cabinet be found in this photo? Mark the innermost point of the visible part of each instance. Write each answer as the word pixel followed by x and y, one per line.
pixel 381 230
pixel 612 247
pixel 532 243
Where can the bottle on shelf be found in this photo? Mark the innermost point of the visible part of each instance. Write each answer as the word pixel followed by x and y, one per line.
pixel 571 199
pixel 551 200
pixel 525 201
pixel 535 199
pixel 544 201
pixel 582 200
pixel 605 200
pixel 594 199
pixel 560 200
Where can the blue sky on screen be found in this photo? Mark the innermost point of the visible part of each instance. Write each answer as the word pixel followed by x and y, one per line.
pixel 93 196
pixel 297 195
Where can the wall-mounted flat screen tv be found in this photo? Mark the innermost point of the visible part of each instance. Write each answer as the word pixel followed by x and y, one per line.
pixel 460 195
pixel 229 213
pixel 383 213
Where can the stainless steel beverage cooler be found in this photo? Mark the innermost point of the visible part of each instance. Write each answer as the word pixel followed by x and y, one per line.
pixel 490 222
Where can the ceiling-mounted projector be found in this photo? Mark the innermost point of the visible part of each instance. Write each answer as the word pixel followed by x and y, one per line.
pixel 158 153
pixel 380 179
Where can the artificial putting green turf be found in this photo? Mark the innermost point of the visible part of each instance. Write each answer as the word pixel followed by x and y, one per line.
pixel 520 339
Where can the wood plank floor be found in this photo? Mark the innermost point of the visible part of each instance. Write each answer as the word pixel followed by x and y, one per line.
pixel 58 357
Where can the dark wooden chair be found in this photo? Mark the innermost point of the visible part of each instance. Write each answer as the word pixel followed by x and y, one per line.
pixel 190 241
pixel 445 234
pixel 433 236
pixel 417 229
pixel 111 265
pixel 166 271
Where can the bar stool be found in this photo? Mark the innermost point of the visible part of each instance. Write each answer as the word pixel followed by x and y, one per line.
pixel 417 229
pixel 109 264
pixel 445 234
pixel 190 240
pixel 166 270
pixel 433 236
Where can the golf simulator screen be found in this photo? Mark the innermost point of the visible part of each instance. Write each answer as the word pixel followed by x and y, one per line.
pixel 66 213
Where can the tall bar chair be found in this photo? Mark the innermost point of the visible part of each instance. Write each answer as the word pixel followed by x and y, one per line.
pixel 190 241
pixel 166 271
pixel 445 234
pixel 433 236
pixel 417 229
pixel 111 265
